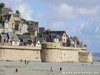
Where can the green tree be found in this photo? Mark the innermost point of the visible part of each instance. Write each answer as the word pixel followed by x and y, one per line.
pixel 2 5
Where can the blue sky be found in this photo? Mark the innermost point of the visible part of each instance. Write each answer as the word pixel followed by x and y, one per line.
pixel 77 17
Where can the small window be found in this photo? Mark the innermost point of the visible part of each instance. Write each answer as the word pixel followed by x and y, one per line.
pixel 36 57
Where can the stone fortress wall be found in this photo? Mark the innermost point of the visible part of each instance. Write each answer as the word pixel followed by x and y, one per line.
pixel 50 52
pixel 54 52
pixel 16 53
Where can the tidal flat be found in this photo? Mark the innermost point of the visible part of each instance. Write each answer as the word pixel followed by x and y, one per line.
pixel 42 68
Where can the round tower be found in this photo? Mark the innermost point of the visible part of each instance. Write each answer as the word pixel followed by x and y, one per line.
pixel 50 52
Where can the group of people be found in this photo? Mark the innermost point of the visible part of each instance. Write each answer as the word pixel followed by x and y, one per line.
pixel 26 62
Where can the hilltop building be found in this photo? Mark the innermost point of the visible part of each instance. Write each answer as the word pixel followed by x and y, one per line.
pixel 53 36
pixel 25 40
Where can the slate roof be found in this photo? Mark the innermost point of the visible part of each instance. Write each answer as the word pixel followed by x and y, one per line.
pixel 24 37
pixel 4 35
pixel 55 32
pixel 6 10
pixel 29 22
pixel 31 30
pixel 7 17
pixel 13 37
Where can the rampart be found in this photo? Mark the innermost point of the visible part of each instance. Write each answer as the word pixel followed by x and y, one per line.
pixel 16 53
pixel 54 52
pixel 50 52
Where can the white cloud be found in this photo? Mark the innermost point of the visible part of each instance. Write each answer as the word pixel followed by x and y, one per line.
pixel 82 26
pixel 88 11
pixel 65 11
pixel 97 28
pixel 58 13
pixel 76 3
pixel 57 25
pixel 25 11
pixel 65 8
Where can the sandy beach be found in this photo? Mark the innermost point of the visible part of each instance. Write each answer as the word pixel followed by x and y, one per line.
pixel 38 68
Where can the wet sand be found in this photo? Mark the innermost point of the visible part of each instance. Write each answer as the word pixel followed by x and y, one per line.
pixel 39 68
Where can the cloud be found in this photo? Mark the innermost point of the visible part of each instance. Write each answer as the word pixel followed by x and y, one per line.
pixel 91 30
pixel 58 13
pixel 57 25
pixel 21 5
pixel 88 11
pixel 65 11
pixel 76 3
pixel 25 11
pixel 65 8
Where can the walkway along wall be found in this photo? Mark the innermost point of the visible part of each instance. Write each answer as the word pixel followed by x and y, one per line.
pixel 16 53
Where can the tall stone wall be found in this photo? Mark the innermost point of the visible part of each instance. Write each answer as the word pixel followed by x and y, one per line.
pixel 85 57
pixel 52 55
pixel 16 53
pixel 50 52
pixel 69 55
pixel 54 52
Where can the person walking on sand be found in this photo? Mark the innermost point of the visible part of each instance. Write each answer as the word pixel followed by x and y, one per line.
pixel 60 69
pixel 51 69
pixel 16 70
pixel 91 63
pixel 25 61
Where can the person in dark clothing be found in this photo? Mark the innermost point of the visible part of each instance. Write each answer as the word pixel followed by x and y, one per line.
pixel 16 70
pixel 25 62
pixel 60 68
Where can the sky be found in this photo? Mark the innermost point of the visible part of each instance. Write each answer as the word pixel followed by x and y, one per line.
pixel 79 18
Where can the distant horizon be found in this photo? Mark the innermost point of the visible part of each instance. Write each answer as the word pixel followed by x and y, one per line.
pixel 95 52
pixel 78 18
